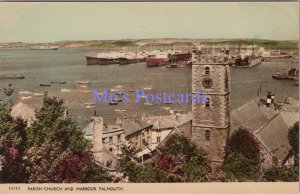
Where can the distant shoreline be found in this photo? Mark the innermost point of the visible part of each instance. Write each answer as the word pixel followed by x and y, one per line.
pixel 270 44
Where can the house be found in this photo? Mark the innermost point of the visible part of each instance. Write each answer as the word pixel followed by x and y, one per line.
pixel 137 133
pixel 162 127
pixel 113 137
pixel 270 128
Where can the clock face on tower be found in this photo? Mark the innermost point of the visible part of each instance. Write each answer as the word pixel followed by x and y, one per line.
pixel 207 82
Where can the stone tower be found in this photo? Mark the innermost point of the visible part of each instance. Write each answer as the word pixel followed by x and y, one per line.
pixel 211 119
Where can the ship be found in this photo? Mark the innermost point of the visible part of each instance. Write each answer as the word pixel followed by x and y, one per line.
pixel 121 58
pixel 287 74
pixel 156 59
pixel 247 58
pixel 12 76
pixel 44 48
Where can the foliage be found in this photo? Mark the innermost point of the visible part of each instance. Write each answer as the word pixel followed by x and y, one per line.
pixel 52 125
pixel 270 44
pixel 282 174
pixel 41 161
pixel 294 138
pixel 94 173
pixel 12 141
pixel 138 173
pixel 242 160
pixel 69 170
pixel 177 160
pixel 243 142
pixel 51 150
pixel 239 167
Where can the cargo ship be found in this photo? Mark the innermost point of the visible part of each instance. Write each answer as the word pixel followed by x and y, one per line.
pixel 158 59
pixel 122 58
pixel 12 76
pixel 44 48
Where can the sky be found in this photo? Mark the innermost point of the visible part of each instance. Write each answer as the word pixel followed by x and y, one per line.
pixel 49 22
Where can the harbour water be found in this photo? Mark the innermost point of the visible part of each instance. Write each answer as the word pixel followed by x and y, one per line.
pixel 44 66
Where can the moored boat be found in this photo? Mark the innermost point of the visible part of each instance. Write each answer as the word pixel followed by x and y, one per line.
pixel 45 85
pixel 12 76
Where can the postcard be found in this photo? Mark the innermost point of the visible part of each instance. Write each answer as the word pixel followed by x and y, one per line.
pixel 149 97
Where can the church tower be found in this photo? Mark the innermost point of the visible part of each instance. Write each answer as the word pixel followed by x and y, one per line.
pixel 211 119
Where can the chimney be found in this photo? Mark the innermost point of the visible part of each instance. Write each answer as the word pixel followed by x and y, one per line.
pixel 178 117
pixel 269 99
pixel 272 98
pixel 97 137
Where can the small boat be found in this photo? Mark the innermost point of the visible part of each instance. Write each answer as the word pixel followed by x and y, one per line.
pixel 90 105
pixel 65 90
pixel 120 100
pixel 25 93
pixel 45 85
pixel 12 76
pixel 168 102
pixel 83 82
pixel 85 91
pixel 147 88
pixel 26 97
pixel 120 110
pixel 39 94
pixel 58 82
pixel 296 84
pixel 131 90
pixel 113 103
pixel 44 48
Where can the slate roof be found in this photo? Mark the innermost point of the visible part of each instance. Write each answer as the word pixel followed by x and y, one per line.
pixel 170 121
pixel 251 116
pixel 132 126
pixel 274 136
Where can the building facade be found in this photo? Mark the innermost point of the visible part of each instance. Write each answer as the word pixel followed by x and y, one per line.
pixel 211 119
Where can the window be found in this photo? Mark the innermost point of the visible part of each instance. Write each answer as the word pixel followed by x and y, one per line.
pixel 119 138
pixel 207 135
pixel 206 70
pixel 158 139
pixel 207 103
pixel 103 140
pixel 110 149
pixel 110 139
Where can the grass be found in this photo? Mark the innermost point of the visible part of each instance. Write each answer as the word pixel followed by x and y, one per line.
pixel 112 44
pixel 262 43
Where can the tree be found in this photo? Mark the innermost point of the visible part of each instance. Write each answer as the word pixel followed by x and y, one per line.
pixel 242 159
pixel 177 160
pixel 138 173
pixel 51 124
pixel 12 141
pixel 294 138
pixel 53 149
pixel 243 142
pixel 41 161
pixel 282 174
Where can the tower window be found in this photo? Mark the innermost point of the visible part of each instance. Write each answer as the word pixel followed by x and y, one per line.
pixel 206 70
pixel 207 135
pixel 207 103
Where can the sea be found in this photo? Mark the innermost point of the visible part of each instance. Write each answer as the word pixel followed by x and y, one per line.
pixel 69 65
